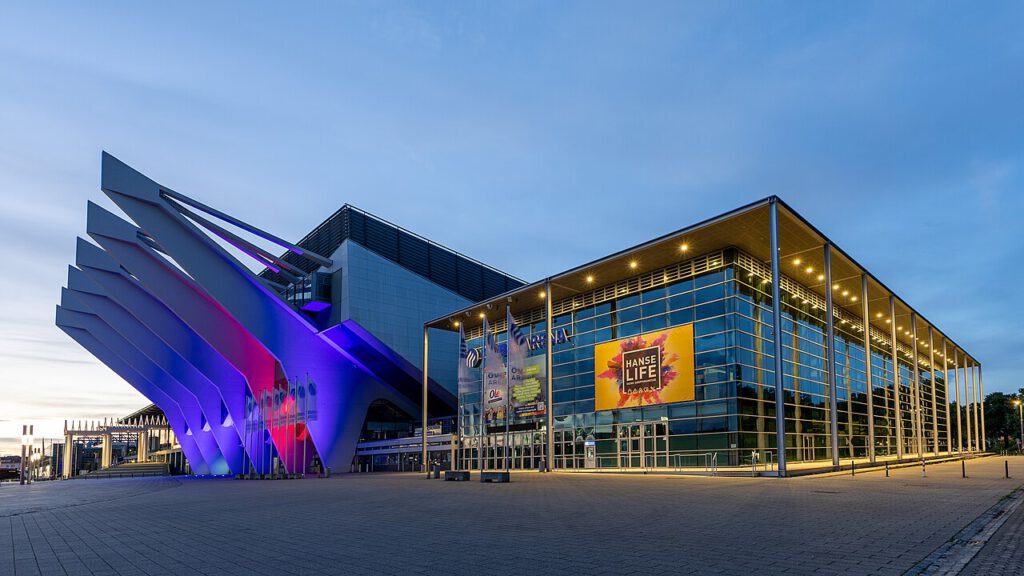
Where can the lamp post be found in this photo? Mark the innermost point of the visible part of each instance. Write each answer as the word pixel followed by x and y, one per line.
pixel 1020 412
pixel 26 442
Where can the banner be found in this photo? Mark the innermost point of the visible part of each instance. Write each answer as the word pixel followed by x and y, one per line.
pixel 494 383
pixel 526 375
pixel 465 370
pixel 652 368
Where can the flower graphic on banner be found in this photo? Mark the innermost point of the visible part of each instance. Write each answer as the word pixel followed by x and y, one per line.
pixel 668 370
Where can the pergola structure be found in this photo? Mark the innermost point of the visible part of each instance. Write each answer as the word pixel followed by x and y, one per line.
pixel 107 432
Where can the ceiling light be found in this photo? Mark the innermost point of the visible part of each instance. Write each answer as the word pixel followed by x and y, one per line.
pixel 797 261
pixel 846 292
pixel 683 247
pixel 810 269
pixel 854 299
pixel 590 278
pixel 821 277
pixel 835 286
pixel 456 323
pixel 482 315
pixel 543 294
pixel 632 264
pixel 878 315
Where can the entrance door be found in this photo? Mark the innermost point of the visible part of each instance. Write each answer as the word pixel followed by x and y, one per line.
pixel 656 444
pixel 643 445
pixel 630 438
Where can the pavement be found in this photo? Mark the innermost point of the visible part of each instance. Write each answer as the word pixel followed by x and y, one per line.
pixel 537 524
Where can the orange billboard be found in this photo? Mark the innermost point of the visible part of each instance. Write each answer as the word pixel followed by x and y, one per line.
pixel 652 368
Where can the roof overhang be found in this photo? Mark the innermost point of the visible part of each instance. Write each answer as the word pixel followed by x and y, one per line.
pixel 802 259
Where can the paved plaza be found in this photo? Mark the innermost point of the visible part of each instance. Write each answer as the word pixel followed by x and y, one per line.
pixel 539 524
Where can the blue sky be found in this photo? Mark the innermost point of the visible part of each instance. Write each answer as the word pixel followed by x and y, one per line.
pixel 515 133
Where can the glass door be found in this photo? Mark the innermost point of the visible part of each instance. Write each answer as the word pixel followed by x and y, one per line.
pixel 630 439
pixel 655 444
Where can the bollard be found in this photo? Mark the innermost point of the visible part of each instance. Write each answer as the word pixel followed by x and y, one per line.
pixel 963 469
pixel 886 469
pixel 1006 468
pixel 923 473
pixel 853 468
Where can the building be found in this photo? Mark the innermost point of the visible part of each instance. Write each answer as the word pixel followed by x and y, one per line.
pixel 345 348
pixel 665 356
pixel 273 371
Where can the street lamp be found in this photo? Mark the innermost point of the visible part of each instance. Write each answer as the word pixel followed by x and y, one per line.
pixel 1020 412
pixel 26 442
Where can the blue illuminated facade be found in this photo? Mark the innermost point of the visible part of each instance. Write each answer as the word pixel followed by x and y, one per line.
pixel 269 373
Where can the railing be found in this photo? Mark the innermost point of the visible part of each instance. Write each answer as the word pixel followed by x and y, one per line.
pixel 711 463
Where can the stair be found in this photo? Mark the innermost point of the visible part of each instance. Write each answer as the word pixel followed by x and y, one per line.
pixel 130 470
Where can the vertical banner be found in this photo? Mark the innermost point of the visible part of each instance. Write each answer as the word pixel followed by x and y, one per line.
pixel 494 383
pixel 465 375
pixel 527 376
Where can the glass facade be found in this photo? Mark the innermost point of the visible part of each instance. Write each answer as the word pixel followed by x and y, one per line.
pixel 731 421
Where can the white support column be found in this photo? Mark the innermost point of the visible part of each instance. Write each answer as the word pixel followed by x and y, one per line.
pixel 967 409
pixel 978 438
pixel 548 317
pixel 916 390
pixel 66 457
pixel 935 405
pixel 895 377
pixel 945 382
pixel 780 388
pixel 423 451
pixel 830 357
pixel 866 316
pixel 981 407
pixel 107 455
pixel 143 444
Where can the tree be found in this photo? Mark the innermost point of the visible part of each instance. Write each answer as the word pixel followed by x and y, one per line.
pixel 1002 420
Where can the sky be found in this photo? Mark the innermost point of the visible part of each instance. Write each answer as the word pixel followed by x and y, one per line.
pixel 520 134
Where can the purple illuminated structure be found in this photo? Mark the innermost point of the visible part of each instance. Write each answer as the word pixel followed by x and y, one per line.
pixel 167 307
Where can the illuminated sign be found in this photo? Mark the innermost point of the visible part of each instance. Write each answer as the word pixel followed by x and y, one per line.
pixel 535 341
pixel 652 368
pixel 641 370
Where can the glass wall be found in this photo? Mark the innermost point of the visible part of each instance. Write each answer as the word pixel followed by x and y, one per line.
pixel 731 420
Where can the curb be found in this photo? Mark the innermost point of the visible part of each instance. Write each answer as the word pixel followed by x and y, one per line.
pixel 953 556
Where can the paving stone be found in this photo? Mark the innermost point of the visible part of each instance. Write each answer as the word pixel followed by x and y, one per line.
pixel 564 523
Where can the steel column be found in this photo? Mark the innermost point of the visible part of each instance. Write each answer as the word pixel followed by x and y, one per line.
pixel 916 384
pixel 981 408
pixel 426 380
pixel 830 355
pixel 550 464
pixel 866 316
pixel 967 408
pixel 780 404
pixel 895 377
pixel 945 382
pixel 977 421
pixel 935 406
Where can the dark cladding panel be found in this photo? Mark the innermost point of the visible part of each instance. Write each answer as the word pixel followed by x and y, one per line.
pixel 357 227
pixel 471 279
pixel 382 239
pixel 442 268
pixel 494 283
pixel 414 254
pixel 455 272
